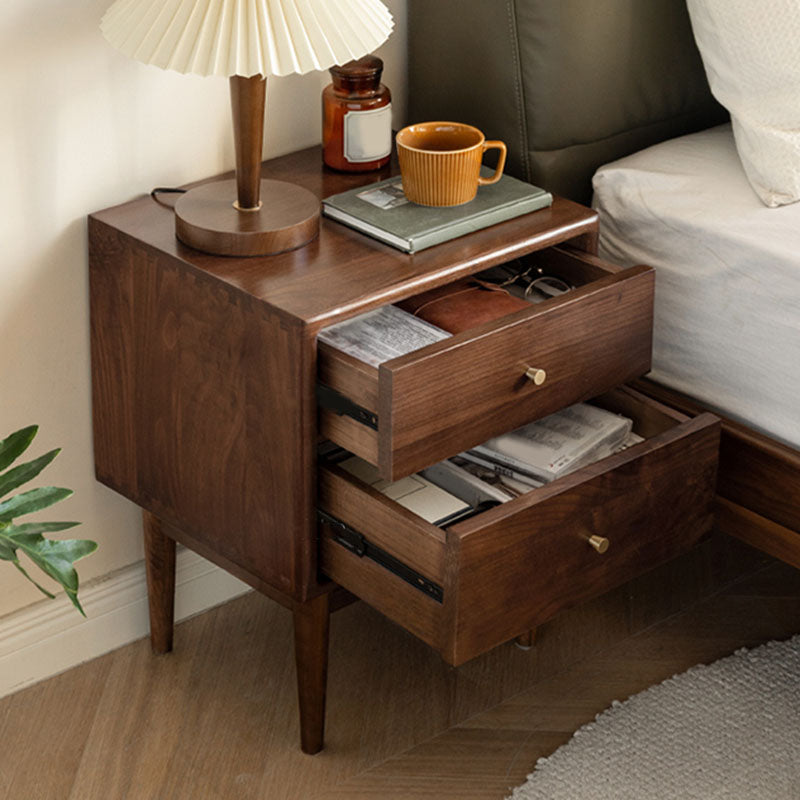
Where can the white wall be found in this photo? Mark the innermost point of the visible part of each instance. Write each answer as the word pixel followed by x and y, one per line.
pixel 84 128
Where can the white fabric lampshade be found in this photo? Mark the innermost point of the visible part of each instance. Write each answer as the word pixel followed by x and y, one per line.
pixel 246 37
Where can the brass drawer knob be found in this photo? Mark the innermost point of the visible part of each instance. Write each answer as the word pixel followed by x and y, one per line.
pixel 536 375
pixel 600 543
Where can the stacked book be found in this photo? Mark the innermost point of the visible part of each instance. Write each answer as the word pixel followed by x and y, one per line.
pixel 537 453
pixel 554 446
pixel 382 211
pixel 503 467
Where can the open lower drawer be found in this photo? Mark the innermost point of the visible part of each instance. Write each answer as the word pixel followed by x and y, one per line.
pixel 494 576
pixel 451 395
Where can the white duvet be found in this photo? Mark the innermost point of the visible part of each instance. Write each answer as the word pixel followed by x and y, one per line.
pixel 727 318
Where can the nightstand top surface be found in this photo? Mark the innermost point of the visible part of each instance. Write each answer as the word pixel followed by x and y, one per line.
pixel 344 272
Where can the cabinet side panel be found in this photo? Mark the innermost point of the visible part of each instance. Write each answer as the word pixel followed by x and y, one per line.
pixel 205 418
pixel 112 347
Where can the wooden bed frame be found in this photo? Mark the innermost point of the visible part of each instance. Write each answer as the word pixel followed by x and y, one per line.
pixel 758 484
pixel 573 85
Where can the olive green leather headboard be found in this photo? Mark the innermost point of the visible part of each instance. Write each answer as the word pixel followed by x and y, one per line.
pixel 567 84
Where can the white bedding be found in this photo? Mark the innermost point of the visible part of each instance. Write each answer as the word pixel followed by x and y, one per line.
pixel 727 321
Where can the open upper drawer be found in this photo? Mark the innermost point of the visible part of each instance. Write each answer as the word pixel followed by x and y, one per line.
pixel 494 576
pixel 451 395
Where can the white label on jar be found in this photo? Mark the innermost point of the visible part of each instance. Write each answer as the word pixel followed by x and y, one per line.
pixel 368 134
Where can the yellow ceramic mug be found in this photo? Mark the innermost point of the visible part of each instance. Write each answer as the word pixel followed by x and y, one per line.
pixel 440 162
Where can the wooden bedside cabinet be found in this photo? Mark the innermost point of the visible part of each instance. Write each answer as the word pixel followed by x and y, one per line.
pixel 210 395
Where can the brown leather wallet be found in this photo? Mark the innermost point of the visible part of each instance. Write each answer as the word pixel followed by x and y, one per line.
pixel 463 304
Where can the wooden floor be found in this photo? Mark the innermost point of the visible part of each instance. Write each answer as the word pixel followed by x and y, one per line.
pixel 217 718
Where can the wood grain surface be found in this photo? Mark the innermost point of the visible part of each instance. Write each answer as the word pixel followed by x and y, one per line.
pixel 248 96
pixel 384 591
pixel 348 375
pixel 203 409
pixel 343 272
pixel 386 524
pixel 761 532
pixel 513 567
pixel 207 219
pixel 459 392
pixel 349 433
pixel 311 630
pixel 359 381
pixel 756 471
pixel 519 567
pixel 159 561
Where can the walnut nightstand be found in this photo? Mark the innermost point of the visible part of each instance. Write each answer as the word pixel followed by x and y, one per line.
pixel 206 414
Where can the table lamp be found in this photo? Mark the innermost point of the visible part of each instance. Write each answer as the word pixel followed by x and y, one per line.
pixel 246 41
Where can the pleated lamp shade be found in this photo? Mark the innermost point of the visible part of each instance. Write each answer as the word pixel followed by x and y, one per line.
pixel 246 37
pixel 247 41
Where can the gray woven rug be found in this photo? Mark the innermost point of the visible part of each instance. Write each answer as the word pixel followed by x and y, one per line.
pixel 728 731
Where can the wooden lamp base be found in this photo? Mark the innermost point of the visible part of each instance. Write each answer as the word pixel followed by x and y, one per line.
pixel 208 219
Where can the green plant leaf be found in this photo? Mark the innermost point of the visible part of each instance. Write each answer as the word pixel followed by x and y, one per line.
pixel 16 444
pixel 7 553
pixel 33 500
pixel 14 478
pixel 37 585
pixel 38 527
pixel 55 557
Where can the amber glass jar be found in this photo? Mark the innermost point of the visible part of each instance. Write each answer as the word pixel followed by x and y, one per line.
pixel 357 117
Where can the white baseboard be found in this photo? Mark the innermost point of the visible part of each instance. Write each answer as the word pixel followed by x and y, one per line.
pixel 50 636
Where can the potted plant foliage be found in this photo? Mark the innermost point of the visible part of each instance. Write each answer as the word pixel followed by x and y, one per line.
pixel 55 557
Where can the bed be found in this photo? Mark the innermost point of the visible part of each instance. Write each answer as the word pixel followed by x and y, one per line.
pixel 618 88
pixel 727 321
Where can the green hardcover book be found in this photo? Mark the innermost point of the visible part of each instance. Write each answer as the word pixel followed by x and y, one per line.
pixel 382 211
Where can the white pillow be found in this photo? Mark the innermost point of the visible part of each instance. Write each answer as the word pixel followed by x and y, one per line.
pixel 751 53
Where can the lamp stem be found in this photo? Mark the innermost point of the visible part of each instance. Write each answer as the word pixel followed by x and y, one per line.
pixel 208 217
pixel 247 105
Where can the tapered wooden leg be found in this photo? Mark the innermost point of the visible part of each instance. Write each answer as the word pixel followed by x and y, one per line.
pixel 159 559
pixel 311 623
pixel 525 640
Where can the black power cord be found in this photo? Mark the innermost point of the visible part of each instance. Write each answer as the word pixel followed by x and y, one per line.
pixel 165 190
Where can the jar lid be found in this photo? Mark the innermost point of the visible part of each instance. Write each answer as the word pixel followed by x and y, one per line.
pixel 360 68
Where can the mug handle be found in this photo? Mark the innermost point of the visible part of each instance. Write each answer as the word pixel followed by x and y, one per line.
pixel 501 162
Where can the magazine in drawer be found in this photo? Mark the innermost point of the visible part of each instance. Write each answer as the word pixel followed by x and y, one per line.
pixel 489 578
pixel 433 402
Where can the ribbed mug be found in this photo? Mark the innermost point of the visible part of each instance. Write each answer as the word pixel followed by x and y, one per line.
pixel 440 162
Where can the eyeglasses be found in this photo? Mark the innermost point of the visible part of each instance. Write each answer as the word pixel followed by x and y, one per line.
pixel 530 283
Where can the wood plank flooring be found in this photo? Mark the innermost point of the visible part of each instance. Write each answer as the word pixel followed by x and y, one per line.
pixel 217 718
